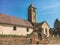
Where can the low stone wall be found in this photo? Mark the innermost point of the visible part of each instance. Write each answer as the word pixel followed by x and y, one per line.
pixel 20 40
pixel 54 40
pixel 12 40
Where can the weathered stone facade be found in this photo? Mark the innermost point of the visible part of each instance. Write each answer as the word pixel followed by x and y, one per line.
pixel 9 30
pixel 37 26
pixel 32 14
pixel 14 40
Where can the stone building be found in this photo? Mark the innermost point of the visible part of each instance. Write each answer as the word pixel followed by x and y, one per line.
pixel 32 14
pixel 17 26
pixel 14 26
pixel 42 27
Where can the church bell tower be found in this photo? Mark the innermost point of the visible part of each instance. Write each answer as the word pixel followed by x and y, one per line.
pixel 32 14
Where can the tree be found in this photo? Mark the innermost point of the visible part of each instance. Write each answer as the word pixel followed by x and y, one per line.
pixel 57 27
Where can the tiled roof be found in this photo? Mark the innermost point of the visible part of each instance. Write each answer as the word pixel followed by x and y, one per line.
pixel 39 24
pixel 13 20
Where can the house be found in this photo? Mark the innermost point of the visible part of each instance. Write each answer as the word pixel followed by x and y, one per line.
pixel 14 26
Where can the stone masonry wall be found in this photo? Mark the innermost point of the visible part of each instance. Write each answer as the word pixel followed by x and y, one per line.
pixel 12 40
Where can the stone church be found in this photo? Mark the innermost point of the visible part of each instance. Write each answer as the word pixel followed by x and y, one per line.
pixel 10 25
pixel 40 28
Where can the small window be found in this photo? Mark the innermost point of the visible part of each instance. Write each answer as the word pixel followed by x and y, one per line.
pixel 14 28
pixel 27 29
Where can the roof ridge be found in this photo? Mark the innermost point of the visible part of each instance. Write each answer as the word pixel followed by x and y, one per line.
pixel 13 20
pixel 11 16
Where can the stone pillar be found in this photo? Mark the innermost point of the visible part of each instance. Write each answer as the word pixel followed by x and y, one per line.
pixel 35 38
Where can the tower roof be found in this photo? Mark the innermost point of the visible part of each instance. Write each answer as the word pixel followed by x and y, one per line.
pixel 31 5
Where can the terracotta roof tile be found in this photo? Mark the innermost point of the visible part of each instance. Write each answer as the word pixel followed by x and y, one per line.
pixel 13 20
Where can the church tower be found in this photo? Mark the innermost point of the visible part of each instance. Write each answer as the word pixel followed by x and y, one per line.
pixel 32 14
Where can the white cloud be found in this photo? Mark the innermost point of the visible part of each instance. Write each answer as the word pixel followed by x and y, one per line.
pixel 54 5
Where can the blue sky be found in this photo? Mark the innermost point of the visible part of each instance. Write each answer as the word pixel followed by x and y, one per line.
pixel 47 10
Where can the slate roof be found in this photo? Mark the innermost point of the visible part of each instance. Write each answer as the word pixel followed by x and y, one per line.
pixel 31 5
pixel 5 19
pixel 40 24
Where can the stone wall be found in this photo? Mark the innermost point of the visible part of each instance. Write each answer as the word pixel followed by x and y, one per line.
pixel 13 40
pixel 9 29
pixel 20 40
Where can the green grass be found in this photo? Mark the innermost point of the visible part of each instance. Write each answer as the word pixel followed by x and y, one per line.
pixel 11 35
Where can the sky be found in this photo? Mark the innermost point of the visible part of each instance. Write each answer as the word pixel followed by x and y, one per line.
pixel 46 10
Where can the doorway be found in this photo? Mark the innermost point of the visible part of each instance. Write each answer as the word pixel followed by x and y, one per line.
pixel 39 36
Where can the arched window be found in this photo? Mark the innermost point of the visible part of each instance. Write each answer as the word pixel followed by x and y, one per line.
pixel 46 30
